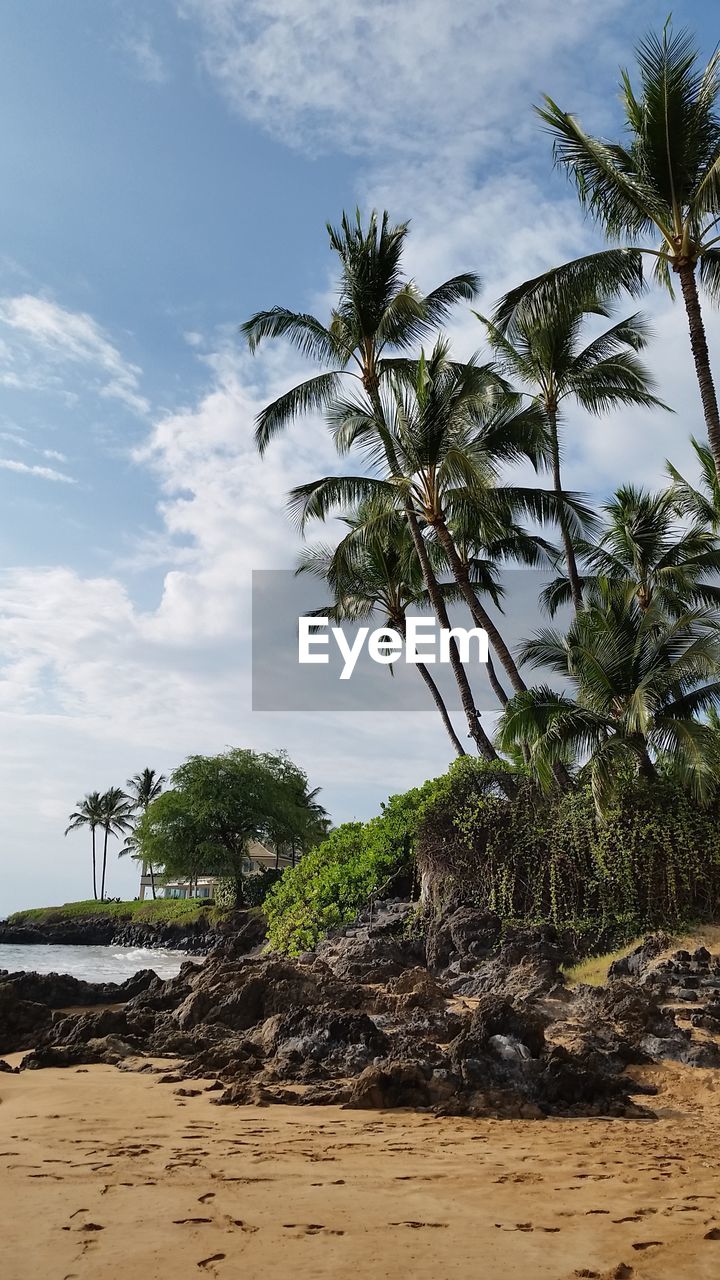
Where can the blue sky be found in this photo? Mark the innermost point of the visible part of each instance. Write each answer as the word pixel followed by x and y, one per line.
pixel 168 168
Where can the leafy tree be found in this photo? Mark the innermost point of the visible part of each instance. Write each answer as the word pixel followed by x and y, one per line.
pixel 663 182
pixel 638 681
pixel 89 813
pixel 543 348
pixel 215 807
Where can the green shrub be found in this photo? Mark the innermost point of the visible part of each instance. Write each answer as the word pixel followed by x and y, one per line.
pixel 151 911
pixel 334 881
pixel 653 859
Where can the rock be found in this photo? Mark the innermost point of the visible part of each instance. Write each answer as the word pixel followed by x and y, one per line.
pixel 508 1048
pixel 22 1022
pixel 639 960
pixel 401 1084
pixel 5 1066
pixel 466 932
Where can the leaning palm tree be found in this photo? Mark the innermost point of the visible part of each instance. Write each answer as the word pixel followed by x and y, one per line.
pixel 644 548
pixel 700 504
pixel 378 316
pixel 142 789
pixel 661 187
pixel 448 436
pixel 638 681
pixel 542 348
pixel 373 571
pixel 116 820
pixel 89 813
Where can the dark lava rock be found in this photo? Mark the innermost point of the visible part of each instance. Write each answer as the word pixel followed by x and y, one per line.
pixel 464 933
pixel 61 990
pixel 495 1017
pixel 341 1041
pixel 22 1022
pixel 375 958
pixel 639 960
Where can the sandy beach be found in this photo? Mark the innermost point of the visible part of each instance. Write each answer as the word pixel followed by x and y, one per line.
pixel 111 1175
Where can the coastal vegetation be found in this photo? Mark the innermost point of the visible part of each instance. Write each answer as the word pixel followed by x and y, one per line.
pixel 590 799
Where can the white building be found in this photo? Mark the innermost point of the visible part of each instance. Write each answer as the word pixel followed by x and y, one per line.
pixel 259 858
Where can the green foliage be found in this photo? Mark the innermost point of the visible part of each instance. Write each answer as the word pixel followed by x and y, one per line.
pixel 334 881
pixel 653 858
pixel 217 805
pixel 158 911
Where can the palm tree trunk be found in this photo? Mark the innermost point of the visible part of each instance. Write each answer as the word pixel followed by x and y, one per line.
pixel 94 870
pixel 435 695
pixel 480 616
pixel 701 356
pixel 472 715
pixel 104 864
pixel 152 879
pixel 438 700
pixel 570 560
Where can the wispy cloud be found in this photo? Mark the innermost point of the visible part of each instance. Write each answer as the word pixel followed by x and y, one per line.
pixel 42 473
pixel 394 75
pixel 138 43
pixel 61 337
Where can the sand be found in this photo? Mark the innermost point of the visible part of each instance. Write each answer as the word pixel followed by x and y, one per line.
pixel 110 1175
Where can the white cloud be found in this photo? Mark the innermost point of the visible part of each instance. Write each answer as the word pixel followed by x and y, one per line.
pixel 49 337
pixel 43 473
pixel 369 75
pixel 137 42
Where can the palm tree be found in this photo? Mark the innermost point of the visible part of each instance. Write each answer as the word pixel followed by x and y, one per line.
pixel 701 505
pixel 638 679
pixel 643 550
pixel 116 819
pixel 143 788
pixel 89 813
pixel 378 315
pixel 664 182
pixel 374 570
pixel 542 348
pixel 448 436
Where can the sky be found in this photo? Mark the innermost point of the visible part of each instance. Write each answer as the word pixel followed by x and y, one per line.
pixel 168 168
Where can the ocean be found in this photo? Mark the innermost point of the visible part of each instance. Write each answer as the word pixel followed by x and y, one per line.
pixel 94 964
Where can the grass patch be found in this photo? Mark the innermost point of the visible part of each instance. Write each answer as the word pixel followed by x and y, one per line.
pixel 593 970
pixel 151 911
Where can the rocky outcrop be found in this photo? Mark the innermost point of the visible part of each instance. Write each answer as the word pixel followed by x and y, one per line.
pixel 471 1020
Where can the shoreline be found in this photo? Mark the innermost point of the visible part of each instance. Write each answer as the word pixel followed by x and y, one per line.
pixel 102 1163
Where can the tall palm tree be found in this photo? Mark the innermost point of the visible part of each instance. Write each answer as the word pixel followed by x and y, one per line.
pixel 374 570
pixel 643 549
pixel 543 348
pixel 663 182
pixel 378 316
pixel 700 504
pixel 89 813
pixel 116 819
pixel 143 788
pixel 639 679
pixel 448 436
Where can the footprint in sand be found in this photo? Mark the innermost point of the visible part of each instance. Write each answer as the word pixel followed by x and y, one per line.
pixel 316 1228
pixel 209 1195
pixel 712 1234
pixel 415 1225
pixel 191 1222
pixel 207 1262
pixel 646 1244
